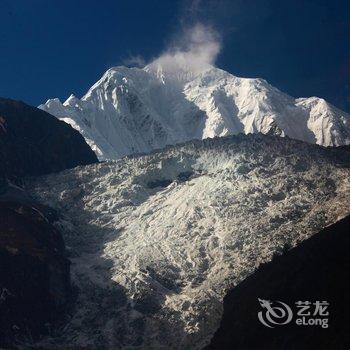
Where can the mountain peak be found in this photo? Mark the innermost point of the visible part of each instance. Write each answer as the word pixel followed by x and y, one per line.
pixel 172 100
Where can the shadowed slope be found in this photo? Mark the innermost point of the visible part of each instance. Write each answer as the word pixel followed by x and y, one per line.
pixel 33 142
pixel 317 269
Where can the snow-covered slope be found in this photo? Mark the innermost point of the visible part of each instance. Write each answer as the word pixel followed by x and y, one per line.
pixel 155 240
pixel 132 110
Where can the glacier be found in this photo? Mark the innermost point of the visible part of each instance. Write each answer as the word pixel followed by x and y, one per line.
pixel 156 240
pixel 134 110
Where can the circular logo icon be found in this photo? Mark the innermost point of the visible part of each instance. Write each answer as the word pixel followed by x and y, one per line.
pixel 274 313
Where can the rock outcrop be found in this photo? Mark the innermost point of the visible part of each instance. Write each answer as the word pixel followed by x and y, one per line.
pixel 35 287
pixel 317 269
pixel 34 273
pixel 33 142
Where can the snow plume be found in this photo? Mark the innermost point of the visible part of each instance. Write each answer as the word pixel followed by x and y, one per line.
pixel 134 61
pixel 195 50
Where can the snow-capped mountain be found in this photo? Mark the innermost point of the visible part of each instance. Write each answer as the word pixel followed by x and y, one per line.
pixel 132 110
pixel 156 240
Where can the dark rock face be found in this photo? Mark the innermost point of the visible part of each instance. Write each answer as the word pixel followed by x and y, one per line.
pixel 317 269
pixel 33 142
pixel 34 273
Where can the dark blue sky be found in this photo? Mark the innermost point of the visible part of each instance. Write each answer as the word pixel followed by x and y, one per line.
pixel 54 48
